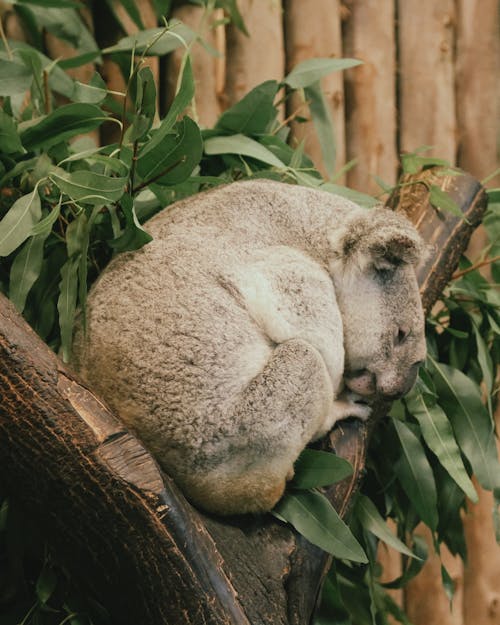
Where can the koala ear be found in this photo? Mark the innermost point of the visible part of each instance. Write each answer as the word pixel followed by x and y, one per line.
pixel 379 238
pixel 393 247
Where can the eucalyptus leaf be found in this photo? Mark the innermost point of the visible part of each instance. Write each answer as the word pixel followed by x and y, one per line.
pixel 371 519
pixel 66 24
pixel 367 201
pixel 46 584
pixel 94 92
pixel 245 146
pixel 9 137
pixel 89 187
pixel 134 236
pixel 16 225
pixel 461 399
pixel 155 41
pixel 15 78
pixel 441 199
pixel 62 124
pixel 253 114
pixel 25 269
pixel 308 72
pixel 66 304
pixel 312 515
pixel 174 159
pixel 323 123
pixel 415 474
pixel 316 468
pixel 438 434
pixel 181 101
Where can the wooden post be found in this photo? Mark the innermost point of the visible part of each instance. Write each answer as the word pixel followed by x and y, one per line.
pixel 313 29
pixel 371 94
pixel 426 73
pixel 259 57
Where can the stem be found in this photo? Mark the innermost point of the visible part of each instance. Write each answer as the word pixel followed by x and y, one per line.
pixel 291 117
pixel 132 166
pixel 483 263
pixel 46 92
pixel 4 40
pixel 158 176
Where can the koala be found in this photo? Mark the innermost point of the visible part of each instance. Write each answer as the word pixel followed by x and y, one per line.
pixel 260 314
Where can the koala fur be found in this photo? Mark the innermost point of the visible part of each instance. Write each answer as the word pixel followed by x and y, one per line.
pixel 259 315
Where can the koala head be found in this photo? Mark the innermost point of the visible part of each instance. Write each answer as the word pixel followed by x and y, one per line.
pixel 372 265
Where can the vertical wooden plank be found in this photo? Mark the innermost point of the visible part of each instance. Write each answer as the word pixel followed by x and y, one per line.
pixel 426 85
pixel 481 575
pixel 259 57
pixel 370 91
pixel 206 67
pixel 313 29
pixel 424 596
pixel 478 68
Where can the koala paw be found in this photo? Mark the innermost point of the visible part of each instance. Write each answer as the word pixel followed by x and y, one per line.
pixel 349 404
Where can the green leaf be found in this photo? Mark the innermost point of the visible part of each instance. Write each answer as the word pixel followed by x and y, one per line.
pixel 323 124
pixel 93 93
pixel 165 41
pixel 15 78
pixel 253 114
pixel 312 515
pixel 493 196
pixel 174 159
pixel 461 399
pixel 484 360
pixel 310 71
pixel 441 199
pixel 89 187
pixel 16 226
pixel 134 236
pixel 316 468
pixel 66 24
pixel 367 201
pixel 25 269
pixel 415 474
pixel 145 105
pixel 62 124
pixel 60 4
pixel 371 520
pixel 413 162
pixel 181 101
pixel 420 549
pixel 438 434
pixel 131 8
pixel 245 146
pixel 9 138
pixel 46 584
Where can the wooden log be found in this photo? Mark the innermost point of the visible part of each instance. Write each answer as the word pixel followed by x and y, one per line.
pixel 370 91
pixel 137 545
pixel 426 77
pixel 206 67
pixel 258 57
pixel 323 18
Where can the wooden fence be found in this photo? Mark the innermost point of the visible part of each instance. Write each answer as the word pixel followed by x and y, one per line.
pixel 430 77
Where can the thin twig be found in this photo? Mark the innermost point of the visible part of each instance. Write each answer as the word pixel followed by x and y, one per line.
pixel 483 263
pixel 5 42
pixel 46 92
pixel 291 117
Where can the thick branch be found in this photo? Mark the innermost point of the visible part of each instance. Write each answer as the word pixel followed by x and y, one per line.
pixel 123 529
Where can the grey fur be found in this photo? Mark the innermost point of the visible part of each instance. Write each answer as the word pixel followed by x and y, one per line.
pixel 259 315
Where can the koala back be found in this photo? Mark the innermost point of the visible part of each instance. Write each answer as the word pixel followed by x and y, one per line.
pixel 237 282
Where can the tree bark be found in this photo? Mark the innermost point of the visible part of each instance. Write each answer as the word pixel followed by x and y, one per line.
pixel 323 18
pixel 122 528
pixel 371 94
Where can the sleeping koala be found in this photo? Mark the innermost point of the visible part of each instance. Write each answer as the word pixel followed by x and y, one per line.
pixel 259 315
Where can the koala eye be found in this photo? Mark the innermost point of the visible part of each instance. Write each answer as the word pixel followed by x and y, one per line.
pixel 384 272
pixel 401 336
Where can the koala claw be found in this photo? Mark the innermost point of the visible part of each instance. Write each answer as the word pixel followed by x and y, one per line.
pixel 349 404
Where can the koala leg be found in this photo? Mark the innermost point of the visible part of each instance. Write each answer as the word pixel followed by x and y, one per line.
pixel 276 415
